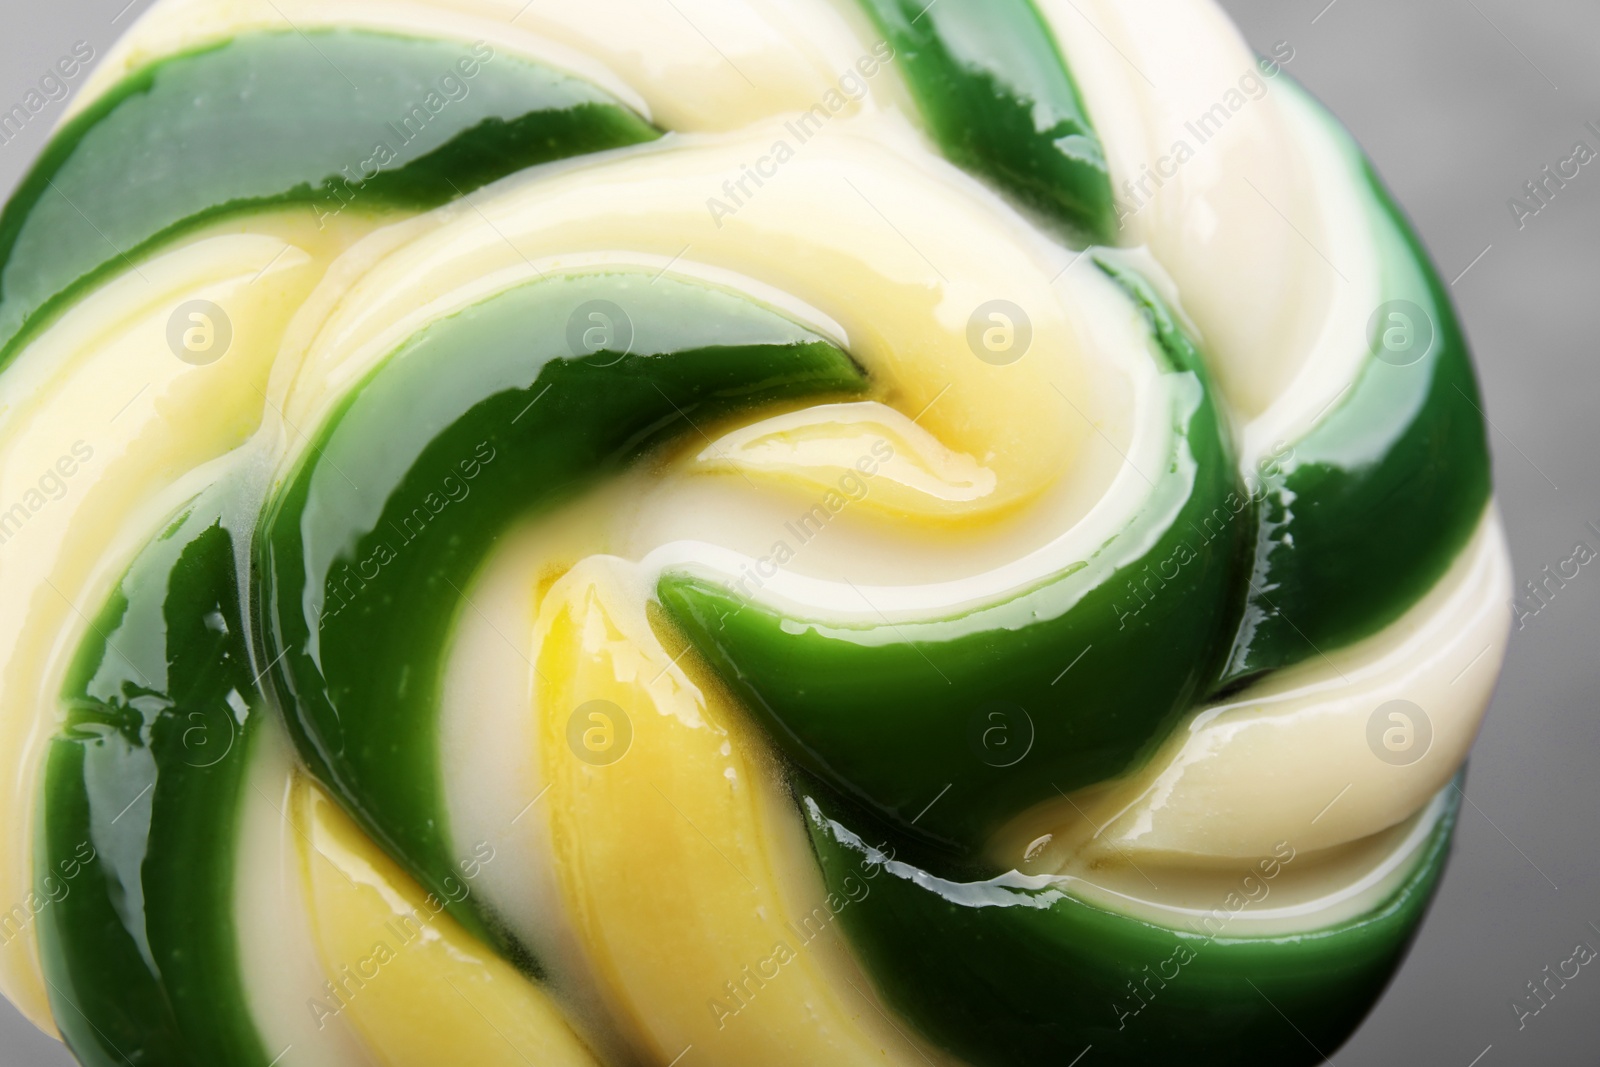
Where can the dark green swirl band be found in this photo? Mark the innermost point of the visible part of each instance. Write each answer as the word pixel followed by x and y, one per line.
pixel 326 121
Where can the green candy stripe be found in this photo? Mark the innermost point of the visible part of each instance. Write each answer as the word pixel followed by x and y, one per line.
pixel 979 714
pixel 1005 976
pixel 375 122
pixel 1375 503
pixel 142 794
pixel 481 420
pixel 999 100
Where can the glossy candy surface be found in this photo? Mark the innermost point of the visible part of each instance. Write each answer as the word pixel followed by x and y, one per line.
pixel 733 532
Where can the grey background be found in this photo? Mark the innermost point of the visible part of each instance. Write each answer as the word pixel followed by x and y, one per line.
pixel 1459 102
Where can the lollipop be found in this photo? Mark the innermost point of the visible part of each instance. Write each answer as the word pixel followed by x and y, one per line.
pixel 770 532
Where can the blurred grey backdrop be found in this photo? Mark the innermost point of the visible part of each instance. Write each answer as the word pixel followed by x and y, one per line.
pixel 1460 103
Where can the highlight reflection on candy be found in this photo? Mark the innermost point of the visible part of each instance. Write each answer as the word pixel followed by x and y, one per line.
pixel 727 532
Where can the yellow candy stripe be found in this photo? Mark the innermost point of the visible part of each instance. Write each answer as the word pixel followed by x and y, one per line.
pixel 418 988
pixel 676 854
pixel 837 447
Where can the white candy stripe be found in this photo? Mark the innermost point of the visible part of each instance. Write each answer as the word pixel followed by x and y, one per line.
pixel 90 466
pixel 1297 757
pixel 277 949
pixel 1226 897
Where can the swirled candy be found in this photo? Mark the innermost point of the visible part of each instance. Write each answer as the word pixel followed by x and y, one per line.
pixel 744 532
